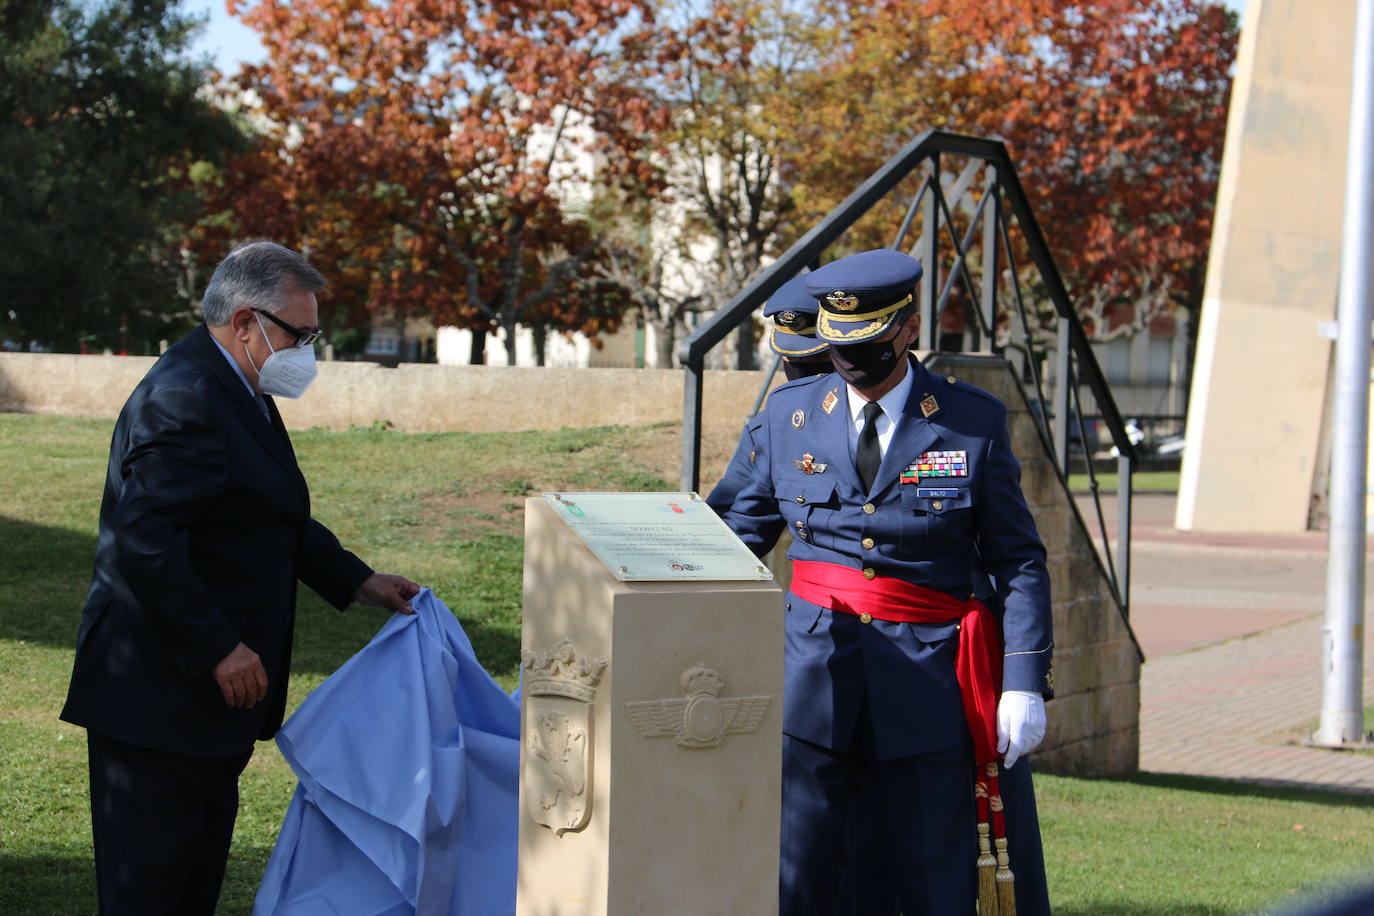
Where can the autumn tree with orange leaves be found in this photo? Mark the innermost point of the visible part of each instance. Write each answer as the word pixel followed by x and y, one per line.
pixel 427 153
pixel 1114 112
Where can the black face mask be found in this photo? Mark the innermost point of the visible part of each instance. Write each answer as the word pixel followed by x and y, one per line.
pixel 865 365
pixel 796 369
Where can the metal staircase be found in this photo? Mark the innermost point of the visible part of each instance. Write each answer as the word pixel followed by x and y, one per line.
pixel 955 203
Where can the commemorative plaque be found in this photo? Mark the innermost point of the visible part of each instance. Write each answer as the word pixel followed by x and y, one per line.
pixel 658 537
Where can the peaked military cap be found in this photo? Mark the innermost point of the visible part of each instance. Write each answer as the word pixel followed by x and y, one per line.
pixel 861 294
pixel 793 311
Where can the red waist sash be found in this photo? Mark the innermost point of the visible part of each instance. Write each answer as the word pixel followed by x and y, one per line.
pixel 978 660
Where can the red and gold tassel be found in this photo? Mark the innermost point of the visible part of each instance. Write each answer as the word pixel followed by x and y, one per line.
pixel 987 874
pixel 996 883
pixel 987 862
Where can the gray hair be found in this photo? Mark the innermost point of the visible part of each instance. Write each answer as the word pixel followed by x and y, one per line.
pixel 256 275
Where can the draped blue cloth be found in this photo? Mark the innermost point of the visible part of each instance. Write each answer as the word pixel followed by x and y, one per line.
pixel 408 760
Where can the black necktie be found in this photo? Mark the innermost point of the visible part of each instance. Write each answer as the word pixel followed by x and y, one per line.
pixel 870 455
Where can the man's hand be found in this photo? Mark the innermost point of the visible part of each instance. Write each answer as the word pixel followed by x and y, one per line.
pixel 391 592
pixel 1020 724
pixel 241 677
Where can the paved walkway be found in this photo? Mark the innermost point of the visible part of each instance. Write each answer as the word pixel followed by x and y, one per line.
pixel 1231 627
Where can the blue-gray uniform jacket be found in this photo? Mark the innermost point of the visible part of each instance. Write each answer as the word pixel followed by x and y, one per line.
pixel 740 468
pixel 945 533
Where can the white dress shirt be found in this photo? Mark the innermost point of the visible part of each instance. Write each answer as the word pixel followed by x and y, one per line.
pixel 233 364
pixel 892 404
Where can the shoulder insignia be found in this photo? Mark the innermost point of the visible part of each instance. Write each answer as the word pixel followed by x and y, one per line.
pixel 951 379
pixel 831 399
pixel 798 418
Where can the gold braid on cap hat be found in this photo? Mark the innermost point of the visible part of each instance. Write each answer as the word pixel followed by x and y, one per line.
pixel 830 332
pixel 876 313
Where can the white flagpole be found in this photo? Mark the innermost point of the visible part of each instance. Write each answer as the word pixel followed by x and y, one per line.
pixel 1342 716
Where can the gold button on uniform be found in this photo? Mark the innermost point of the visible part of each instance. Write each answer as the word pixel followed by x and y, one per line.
pixel 868 543
pixel 937 505
pixel 869 573
pixel 801 499
pixel 865 618
pixel 869 508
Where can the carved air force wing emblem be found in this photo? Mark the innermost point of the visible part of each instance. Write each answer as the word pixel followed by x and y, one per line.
pixel 701 718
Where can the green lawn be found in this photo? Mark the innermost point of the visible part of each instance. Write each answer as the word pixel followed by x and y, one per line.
pixel 446 510
pixel 1141 482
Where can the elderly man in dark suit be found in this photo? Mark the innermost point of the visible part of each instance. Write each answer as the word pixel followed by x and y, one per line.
pixel 185 641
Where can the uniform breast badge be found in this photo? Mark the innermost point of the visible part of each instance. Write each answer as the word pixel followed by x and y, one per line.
pixel 807 465
pixel 831 399
pixel 842 301
pixel 798 418
pixel 936 464
pixel 929 406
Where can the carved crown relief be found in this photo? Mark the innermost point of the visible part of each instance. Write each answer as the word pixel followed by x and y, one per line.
pixel 701 718
pixel 559 688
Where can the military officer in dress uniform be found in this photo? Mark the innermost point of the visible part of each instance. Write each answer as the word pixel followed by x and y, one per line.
pixel 793 311
pixel 902 495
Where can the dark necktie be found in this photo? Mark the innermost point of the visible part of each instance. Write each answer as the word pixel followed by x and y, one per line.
pixel 870 456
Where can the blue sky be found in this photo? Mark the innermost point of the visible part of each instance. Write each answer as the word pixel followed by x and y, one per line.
pixel 228 41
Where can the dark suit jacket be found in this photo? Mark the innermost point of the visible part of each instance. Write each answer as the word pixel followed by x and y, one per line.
pixel 204 529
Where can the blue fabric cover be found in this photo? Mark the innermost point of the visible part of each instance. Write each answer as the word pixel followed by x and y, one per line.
pixel 408 761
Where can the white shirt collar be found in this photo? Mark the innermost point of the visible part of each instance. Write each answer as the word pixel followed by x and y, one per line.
pixel 233 364
pixel 893 403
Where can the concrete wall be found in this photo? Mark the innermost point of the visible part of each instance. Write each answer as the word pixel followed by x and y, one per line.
pixel 1094 718
pixel 413 397
pixel 1259 379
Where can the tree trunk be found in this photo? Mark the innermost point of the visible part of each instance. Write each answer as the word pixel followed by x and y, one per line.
pixel 478 354
pixel 665 339
pixel 744 345
pixel 541 339
pixel 509 328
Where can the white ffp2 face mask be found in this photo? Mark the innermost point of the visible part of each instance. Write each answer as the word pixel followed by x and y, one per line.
pixel 286 373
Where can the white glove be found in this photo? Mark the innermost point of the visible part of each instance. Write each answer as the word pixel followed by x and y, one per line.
pixel 1020 724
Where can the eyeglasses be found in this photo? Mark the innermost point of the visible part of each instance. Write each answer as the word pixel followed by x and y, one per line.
pixel 303 338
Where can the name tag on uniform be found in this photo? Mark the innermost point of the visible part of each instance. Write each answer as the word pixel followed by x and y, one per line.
pixel 937 492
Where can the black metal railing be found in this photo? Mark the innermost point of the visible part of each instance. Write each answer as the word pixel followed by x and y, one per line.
pixel 1021 312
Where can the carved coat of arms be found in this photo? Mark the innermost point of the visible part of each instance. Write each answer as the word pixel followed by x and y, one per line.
pixel 560 690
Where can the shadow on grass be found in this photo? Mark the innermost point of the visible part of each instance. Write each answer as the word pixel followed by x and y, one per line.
pixel 45 572
pixel 1135 909
pixel 326 638
pixel 241 878
pixel 1311 793
pixel 50 884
